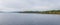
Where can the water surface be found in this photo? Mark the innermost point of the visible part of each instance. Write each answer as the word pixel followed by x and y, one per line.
pixel 29 19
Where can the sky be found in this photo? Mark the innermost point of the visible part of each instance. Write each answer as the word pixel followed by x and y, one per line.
pixel 30 5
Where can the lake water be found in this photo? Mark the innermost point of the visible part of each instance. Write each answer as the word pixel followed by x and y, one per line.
pixel 29 19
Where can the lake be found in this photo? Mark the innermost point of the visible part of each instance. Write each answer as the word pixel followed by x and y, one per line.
pixel 29 19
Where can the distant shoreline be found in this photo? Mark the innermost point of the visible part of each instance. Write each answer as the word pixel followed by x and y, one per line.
pixel 43 12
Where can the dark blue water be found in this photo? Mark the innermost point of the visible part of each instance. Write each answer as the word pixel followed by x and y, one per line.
pixel 29 19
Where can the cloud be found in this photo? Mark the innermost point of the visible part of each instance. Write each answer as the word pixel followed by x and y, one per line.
pixel 10 5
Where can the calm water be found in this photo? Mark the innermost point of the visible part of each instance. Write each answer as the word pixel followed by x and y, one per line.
pixel 29 19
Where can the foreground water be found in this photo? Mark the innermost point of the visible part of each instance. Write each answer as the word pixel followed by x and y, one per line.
pixel 29 19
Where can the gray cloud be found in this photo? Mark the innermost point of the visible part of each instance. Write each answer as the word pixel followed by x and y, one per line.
pixel 30 4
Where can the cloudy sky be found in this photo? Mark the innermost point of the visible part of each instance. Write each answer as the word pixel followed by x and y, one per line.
pixel 21 5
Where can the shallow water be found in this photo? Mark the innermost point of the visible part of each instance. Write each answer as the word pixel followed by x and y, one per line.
pixel 29 19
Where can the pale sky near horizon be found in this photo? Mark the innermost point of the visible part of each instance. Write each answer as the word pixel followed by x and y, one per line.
pixel 21 5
